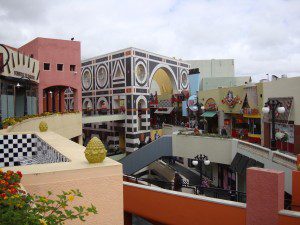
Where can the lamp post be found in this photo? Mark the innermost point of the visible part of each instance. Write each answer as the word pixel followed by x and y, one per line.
pixel 198 160
pixel 273 105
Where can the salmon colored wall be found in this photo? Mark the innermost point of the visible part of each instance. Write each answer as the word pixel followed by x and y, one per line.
pixel 174 209
pixel 296 190
pixel 55 52
pixel 265 196
pixel 100 186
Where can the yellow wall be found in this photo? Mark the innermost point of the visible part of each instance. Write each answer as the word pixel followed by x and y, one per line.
pixel 164 81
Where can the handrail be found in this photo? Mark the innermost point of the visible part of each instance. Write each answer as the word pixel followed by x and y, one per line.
pixel 197 190
pixel 275 156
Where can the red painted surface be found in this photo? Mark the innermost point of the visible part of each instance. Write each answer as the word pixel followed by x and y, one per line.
pixel 265 196
pixel 55 52
pixel 173 209
pixel 288 220
pixel 296 189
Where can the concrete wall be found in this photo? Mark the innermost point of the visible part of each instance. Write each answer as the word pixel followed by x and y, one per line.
pixel 218 150
pixel 67 125
pixel 214 67
pixel 101 184
pixel 286 87
pixel 55 52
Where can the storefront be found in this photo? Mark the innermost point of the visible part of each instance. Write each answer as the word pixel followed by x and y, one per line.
pixel 210 116
pixel 18 83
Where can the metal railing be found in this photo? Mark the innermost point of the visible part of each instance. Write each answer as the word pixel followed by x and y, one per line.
pixel 213 192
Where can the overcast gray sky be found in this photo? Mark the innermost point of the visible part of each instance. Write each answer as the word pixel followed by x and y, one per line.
pixel 262 36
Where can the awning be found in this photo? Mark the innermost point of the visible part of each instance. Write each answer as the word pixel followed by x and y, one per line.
pixel 166 110
pixel 240 163
pixel 209 114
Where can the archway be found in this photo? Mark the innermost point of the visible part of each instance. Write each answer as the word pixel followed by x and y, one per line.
pixel 163 82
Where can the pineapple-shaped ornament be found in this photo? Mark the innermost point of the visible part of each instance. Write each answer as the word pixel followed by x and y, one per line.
pixel 43 126
pixel 95 151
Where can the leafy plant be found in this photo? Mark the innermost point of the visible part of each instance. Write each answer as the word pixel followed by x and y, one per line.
pixel 20 208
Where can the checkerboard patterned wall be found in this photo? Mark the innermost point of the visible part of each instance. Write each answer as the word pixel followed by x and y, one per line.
pixel 13 147
pixel 27 149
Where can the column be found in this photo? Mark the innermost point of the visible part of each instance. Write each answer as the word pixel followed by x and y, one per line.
pixel 44 102
pixel 62 103
pixel 56 100
pixel 265 196
pixel 49 101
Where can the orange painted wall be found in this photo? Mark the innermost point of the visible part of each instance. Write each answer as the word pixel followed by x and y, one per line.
pixel 287 220
pixel 173 209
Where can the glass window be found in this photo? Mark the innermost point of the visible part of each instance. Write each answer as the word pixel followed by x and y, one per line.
pixel 72 67
pixel 46 66
pixel 60 67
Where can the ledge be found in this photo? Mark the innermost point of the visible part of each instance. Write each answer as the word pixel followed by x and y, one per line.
pixel 187 195
pixel 70 149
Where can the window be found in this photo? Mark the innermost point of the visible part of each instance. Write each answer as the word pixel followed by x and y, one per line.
pixel 72 67
pixel 46 66
pixel 60 67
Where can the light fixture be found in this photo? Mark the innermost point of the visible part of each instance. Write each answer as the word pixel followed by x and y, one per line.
pixel 18 85
pixel 195 162
pixel 266 109
pixel 206 162
pixel 50 92
pixel 281 109
pixel 202 107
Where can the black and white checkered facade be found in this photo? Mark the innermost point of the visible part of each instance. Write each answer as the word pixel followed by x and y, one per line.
pixel 26 149
pixel 126 76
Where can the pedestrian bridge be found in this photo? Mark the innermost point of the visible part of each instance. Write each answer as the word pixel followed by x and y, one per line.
pixel 103 118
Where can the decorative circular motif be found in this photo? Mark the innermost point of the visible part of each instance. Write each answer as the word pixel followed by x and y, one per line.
pixel 86 79
pixel 184 80
pixel 7 60
pixel 102 76
pixel 140 73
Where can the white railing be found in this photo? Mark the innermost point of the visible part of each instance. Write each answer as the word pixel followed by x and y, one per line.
pixel 285 160
pixel 255 149
pixel 276 157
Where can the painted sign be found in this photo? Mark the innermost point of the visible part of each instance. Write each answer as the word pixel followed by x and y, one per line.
pixel 231 100
pixel 192 103
pixel 17 65
pixel 210 105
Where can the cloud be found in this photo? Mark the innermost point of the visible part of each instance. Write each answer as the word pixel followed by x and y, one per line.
pixel 262 36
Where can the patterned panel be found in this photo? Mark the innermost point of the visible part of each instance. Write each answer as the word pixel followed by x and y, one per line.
pixel 13 147
pixel 27 149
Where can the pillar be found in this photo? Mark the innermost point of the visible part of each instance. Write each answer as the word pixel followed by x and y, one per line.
pixel 56 100
pixel 62 100
pixel 265 196
pixel 44 102
pixel 49 101
pixel 296 187
pixel 267 134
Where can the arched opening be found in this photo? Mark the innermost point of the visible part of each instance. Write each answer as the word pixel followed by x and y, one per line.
pixel 163 83
pixel 142 110
pixel 59 99
pixel 164 94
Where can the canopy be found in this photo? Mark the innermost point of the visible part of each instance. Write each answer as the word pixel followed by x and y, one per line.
pixel 240 163
pixel 167 110
pixel 209 114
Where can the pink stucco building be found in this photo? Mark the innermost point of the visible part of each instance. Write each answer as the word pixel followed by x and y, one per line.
pixel 59 70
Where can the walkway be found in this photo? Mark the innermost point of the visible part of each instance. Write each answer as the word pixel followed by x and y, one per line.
pixel 103 118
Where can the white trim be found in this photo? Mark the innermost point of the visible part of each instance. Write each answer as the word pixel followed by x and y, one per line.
pixel 166 66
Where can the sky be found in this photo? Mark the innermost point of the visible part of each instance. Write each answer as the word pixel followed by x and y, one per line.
pixel 262 36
